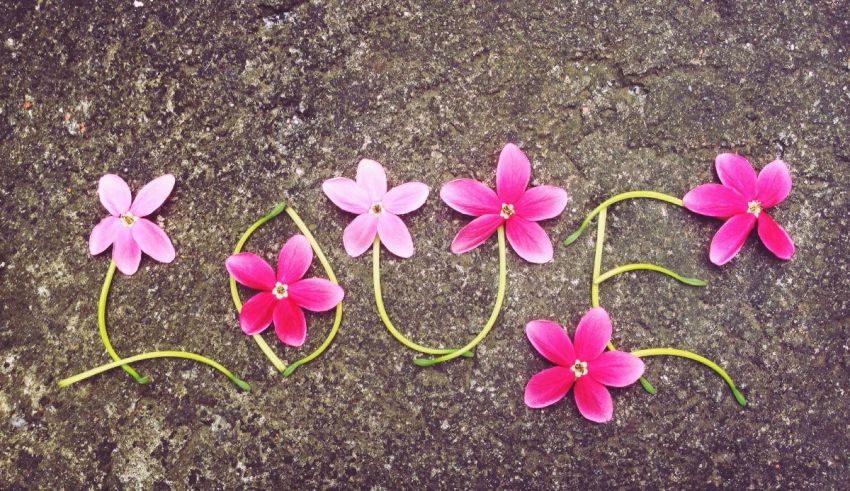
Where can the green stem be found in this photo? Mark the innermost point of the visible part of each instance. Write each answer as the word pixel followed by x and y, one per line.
pixel 620 197
pixel 648 267
pixel 101 323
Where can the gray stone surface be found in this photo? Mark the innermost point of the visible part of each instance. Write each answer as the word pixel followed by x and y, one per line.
pixel 254 102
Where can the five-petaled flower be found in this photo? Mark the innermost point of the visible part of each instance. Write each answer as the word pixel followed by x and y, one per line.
pixel 512 205
pixel 283 295
pixel 587 366
pixel 742 200
pixel 377 209
pixel 126 229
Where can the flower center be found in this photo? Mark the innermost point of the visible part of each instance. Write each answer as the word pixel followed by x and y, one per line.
pixel 579 368
pixel 280 290
pixel 754 207
pixel 128 220
pixel 376 208
pixel 507 210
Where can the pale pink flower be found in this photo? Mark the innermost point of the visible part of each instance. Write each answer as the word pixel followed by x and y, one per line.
pixel 519 209
pixel 742 200
pixel 377 209
pixel 126 229
pixel 587 366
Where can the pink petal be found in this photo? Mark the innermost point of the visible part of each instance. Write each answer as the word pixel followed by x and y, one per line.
pixel 289 323
pixel 615 368
pixel 730 238
pixel 475 233
pixel 256 314
pixel 775 238
pixel 152 196
pixel 251 270
pixel 359 234
pixel 114 194
pixel 315 294
pixel 592 334
pixel 541 203
pixel 774 184
pixel 529 240
pixel 153 240
pixel 512 174
pixel 405 198
pixel 294 259
pixel 470 197
pixel 126 252
pixel 550 340
pixel 103 234
pixel 347 195
pixel 548 387
pixel 715 200
pixel 371 176
pixel 593 400
pixel 394 235
pixel 737 173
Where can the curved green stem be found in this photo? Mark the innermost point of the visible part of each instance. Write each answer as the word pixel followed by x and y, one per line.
pixel 620 197
pixel 695 357
pixel 649 267
pixel 497 307
pixel 101 324
pixel 155 354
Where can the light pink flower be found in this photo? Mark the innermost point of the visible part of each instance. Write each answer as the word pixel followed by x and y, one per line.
pixel 519 209
pixel 741 201
pixel 283 295
pixel 126 229
pixel 588 366
pixel 377 209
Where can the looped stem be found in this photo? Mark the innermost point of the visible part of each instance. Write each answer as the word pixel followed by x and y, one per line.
pixel 620 197
pixel 649 267
pixel 101 324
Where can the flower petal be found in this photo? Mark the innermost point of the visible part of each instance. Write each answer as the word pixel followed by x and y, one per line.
pixel 615 368
pixel 715 200
pixel 470 197
pixel 103 234
pixel 775 238
pixel 730 238
pixel 405 198
pixel 737 173
pixel 294 259
pixel 153 240
pixel 550 340
pixel 315 294
pixel 548 387
pixel 394 235
pixel 126 252
pixel 593 400
pixel 774 184
pixel 592 334
pixel 475 233
pixel 512 174
pixel 541 203
pixel 152 196
pixel 529 240
pixel 371 176
pixel 114 194
pixel 289 323
pixel 250 270
pixel 359 234
pixel 347 194
pixel 256 314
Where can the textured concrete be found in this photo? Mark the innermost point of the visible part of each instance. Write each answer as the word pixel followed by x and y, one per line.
pixel 252 103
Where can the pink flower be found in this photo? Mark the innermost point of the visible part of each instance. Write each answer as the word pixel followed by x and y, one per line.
pixel 377 209
pixel 519 209
pixel 741 201
pixel 126 229
pixel 588 366
pixel 283 295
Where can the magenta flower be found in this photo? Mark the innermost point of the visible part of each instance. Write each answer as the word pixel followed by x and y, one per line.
pixel 283 295
pixel 126 229
pixel 519 209
pixel 588 366
pixel 377 209
pixel 741 201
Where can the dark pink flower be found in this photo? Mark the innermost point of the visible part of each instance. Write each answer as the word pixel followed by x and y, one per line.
pixel 283 295
pixel 588 366
pixel 377 209
pixel 519 209
pixel 741 201
pixel 126 229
